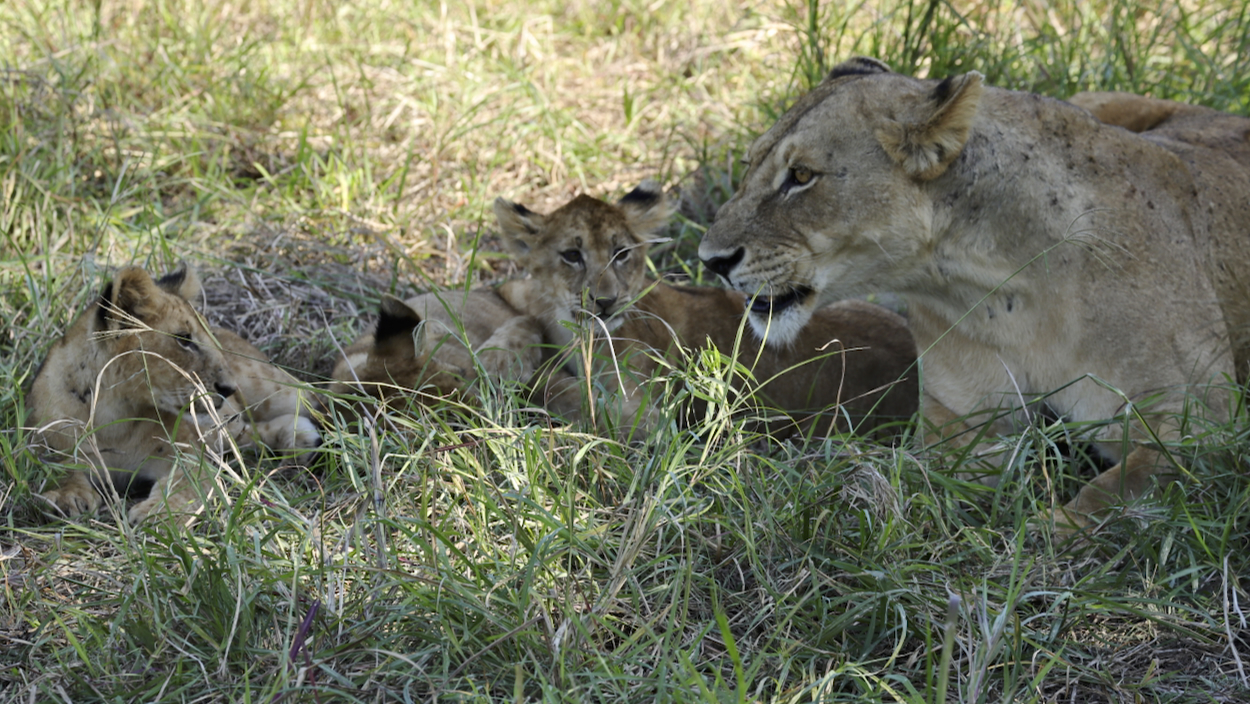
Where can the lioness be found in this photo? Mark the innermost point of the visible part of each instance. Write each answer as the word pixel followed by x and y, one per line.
pixel 139 371
pixel 1039 251
pixel 419 343
pixel 587 268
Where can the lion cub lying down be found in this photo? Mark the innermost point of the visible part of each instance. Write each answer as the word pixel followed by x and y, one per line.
pixel 417 344
pixel 587 267
pixel 139 372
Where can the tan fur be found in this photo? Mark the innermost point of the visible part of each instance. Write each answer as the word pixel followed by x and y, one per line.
pixel 139 372
pixel 422 348
pixel 867 350
pixel 1049 249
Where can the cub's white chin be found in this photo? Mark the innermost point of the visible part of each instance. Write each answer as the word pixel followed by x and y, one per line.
pixel 781 328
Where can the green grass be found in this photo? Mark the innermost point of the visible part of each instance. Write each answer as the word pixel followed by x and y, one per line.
pixel 310 156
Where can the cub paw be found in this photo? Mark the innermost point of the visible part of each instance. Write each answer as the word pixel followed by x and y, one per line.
pixel 305 435
pixel 73 499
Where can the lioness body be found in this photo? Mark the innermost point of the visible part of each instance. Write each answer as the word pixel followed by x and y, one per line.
pixel 586 265
pixel 421 342
pixel 1039 251
pixel 138 372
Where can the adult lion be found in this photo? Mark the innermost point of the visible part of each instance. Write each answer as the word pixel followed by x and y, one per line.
pixel 1040 251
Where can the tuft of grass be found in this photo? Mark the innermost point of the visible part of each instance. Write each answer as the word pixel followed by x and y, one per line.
pixel 309 157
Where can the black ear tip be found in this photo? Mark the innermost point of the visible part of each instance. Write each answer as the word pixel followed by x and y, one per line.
pixel 858 66
pixel 394 318
pixel 174 279
pixel 521 209
pixel 645 194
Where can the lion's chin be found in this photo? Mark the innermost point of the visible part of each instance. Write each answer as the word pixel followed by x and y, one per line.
pixel 778 319
pixel 782 327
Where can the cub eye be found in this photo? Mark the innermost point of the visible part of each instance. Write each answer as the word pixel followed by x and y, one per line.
pixel 185 341
pixel 572 256
pixel 620 255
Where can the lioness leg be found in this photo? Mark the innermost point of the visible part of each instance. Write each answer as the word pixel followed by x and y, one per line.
pixel 1134 477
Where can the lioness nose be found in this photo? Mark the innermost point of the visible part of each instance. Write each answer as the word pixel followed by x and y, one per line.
pixel 604 304
pixel 225 390
pixel 724 265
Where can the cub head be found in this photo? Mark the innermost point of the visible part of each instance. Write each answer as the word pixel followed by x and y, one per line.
pixel 588 258
pixel 159 345
pixel 395 357
pixel 833 201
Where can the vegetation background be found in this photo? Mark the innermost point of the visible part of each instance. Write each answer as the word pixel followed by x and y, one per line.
pixel 309 156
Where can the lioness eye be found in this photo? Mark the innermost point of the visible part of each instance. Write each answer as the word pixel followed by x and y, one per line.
pixel 184 339
pixel 800 175
pixel 620 255
pixel 572 256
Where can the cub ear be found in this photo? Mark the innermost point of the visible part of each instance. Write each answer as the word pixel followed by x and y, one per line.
pixel 182 282
pixel 933 135
pixel 395 319
pixel 126 299
pixel 857 66
pixel 518 225
pixel 647 209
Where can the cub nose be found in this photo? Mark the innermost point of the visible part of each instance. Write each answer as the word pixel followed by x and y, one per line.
pixel 604 305
pixel 724 265
pixel 225 390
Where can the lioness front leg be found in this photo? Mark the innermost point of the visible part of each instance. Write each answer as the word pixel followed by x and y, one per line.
pixel 74 496
pixel 1133 478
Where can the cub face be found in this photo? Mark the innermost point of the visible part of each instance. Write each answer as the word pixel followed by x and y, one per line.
pixel 156 346
pixel 588 258
pixel 833 203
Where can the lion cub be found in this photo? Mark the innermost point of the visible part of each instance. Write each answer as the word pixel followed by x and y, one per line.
pixel 139 372
pixel 587 267
pixel 418 343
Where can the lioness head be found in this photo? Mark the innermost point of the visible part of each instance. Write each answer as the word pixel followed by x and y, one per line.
pixel 159 346
pixel 831 204
pixel 588 258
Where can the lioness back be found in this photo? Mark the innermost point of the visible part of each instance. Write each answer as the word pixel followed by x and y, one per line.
pixel 439 342
pixel 137 372
pixel 587 268
pixel 1215 148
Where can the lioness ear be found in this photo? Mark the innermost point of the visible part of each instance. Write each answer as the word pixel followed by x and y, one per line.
pixel 395 319
pixel 859 65
pixel 124 301
pixel 518 225
pixel 182 282
pixel 647 209
pixel 931 137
